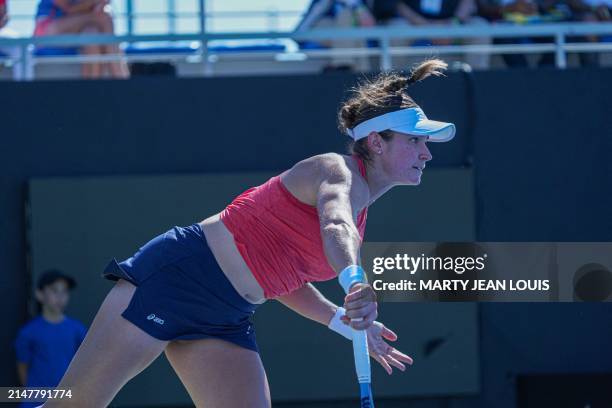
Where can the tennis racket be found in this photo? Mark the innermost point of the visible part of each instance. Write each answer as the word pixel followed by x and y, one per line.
pixel 362 367
pixel 348 277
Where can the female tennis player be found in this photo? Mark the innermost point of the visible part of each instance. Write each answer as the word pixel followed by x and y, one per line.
pixel 192 291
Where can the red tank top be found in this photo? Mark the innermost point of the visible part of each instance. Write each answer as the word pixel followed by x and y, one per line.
pixel 279 237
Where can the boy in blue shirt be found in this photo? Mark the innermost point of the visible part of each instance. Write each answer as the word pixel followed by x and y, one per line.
pixel 46 344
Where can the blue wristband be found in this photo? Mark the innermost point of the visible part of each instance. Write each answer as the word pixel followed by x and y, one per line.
pixel 351 275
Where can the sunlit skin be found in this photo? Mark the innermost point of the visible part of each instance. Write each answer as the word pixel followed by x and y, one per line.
pixel 54 299
pixel 362 300
pixel 405 157
pixel 399 161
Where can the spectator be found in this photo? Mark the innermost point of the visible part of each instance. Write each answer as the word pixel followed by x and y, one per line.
pixel 435 12
pixel 82 16
pixel 46 344
pixel 339 14
pixel 602 9
pixel 3 14
pixel 13 52
pixel 514 12
pixel 590 11
pixel 532 12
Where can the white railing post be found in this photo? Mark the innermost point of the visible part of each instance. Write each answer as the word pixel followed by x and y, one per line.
pixel 171 15
pixel 129 10
pixel 28 64
pixel 385 54
pixel 273 19
pixel 25 67
pixel 560 55
pixel 385 51
pixel 206 71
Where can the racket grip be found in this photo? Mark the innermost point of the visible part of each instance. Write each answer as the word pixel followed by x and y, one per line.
pixel 367 401
pixel 349 276
pixel 362 358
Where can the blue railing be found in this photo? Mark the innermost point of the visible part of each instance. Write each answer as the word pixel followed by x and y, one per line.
pixel 382 35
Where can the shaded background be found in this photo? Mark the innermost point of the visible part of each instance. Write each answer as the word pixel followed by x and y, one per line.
pixel 530 163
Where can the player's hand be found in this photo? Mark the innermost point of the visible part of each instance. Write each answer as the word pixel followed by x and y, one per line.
pixel 361 307
pixel 382 352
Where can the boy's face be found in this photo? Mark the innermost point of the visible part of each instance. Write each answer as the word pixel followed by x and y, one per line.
pixel 54 296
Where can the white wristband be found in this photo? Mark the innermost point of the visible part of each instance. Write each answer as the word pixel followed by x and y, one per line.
pixel 336 324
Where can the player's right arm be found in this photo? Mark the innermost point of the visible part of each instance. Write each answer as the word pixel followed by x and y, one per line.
pixel 341 194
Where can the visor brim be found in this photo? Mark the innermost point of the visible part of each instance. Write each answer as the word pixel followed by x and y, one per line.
pixel 437 131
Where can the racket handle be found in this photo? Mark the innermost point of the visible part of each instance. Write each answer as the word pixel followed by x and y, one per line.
pixel 366 400
pixel 349 276
pixel 362 358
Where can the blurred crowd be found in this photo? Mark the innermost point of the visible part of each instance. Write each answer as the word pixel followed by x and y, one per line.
pixel 441 13
pixel 54 17
pixel 94 16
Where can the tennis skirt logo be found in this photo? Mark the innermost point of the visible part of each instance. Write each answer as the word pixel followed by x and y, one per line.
pixel 155 318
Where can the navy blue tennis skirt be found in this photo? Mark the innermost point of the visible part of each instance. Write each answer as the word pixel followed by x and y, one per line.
pixel 182 293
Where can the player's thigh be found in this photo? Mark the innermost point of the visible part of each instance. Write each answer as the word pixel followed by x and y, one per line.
pixel 113 352
pixel 220 374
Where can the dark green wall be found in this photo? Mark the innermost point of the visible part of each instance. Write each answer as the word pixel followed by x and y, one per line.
pixel 539 140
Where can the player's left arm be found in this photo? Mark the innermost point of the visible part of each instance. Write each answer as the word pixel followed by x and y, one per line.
pixel 310 303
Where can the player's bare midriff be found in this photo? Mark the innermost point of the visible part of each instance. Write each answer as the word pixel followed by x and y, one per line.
pixel 221 243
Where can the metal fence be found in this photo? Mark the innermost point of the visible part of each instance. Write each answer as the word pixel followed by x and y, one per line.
pixel 201 53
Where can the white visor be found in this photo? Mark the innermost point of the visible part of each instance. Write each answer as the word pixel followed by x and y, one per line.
pixel 411 121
